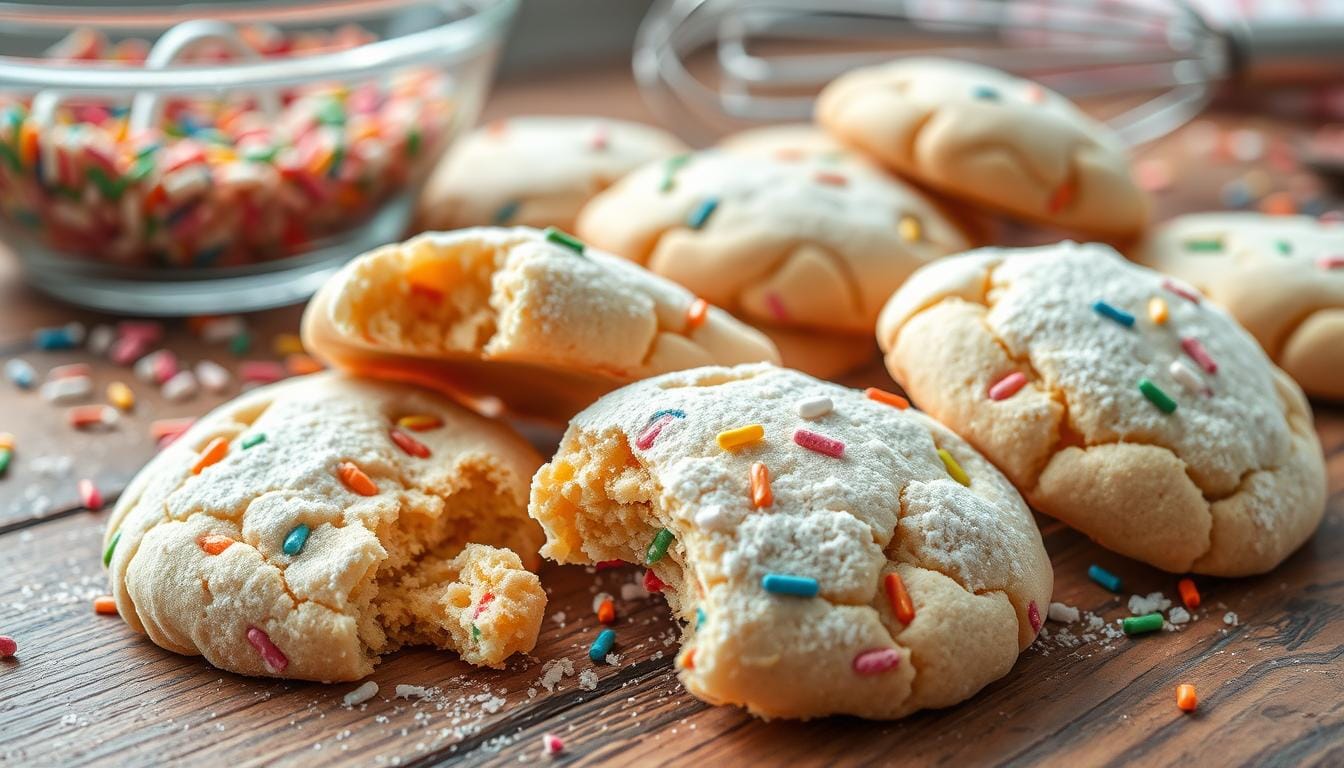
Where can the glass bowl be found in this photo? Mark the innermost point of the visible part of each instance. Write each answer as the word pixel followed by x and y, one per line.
pixel 204 159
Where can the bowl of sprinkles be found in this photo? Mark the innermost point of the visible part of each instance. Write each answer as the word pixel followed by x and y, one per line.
pixel 220 158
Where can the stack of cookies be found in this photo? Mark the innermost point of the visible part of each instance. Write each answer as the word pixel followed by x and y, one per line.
pixel 829 551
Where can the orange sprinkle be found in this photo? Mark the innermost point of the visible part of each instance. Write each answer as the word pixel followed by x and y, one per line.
pixel 355 479
pixel 606 612
pixel 211 454
pixel 890 398
pixel 1186 698
pixel 105 605
pixel 760 486
pixel 409 444
pixel 688 659
pixel 1278 204
pixel 833 179
pixel 696 314
pixel 299 364
pixel 213 543
pixel 1157 310
pixel 1062 196
pixel 1189 593
pixel 419 423
pixel 901 604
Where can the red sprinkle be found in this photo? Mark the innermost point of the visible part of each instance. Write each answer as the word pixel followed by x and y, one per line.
pixel 1200 355
pixel 646 438
pixel 409 444
pixel 8 647
pixel 652 583
pixel 776 306
pixel 1034 616
pixel 1007 386
pixel 1189 593
pixel 1180 290
pixel 1330 262
pixel 90 496
pixel 876 661
pixel 486 599
pixel 275 660
pixel 162 428
pixel 128 349
pixel 819 443
pixel 1063 195
pixel 552 744
pixel 261 371
pixel 605 564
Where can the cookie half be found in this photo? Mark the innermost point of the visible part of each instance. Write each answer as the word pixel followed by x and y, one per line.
pixel 807 246
pixel 535 171
pixel 307 527
pixel 1281 277
pixel 537 320
pixel 829 552
pixel 1117 400
pixel 982 135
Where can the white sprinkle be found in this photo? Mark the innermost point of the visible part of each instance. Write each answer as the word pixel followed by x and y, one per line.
pixel 67 389
pixel 713 518
pixel 1178 615
pixel 223 328
pixel 101 338
pixel 1246 145
pixel 1186 377
pixel 361 694
pixel 1231 619
pixel 814 407
pixel 182 386
pixel 412 692
pixel 1153 603
pixel 1064 614
pixel 213 376
pixel 147 367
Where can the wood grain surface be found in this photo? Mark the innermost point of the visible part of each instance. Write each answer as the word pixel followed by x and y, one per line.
pixel 86 690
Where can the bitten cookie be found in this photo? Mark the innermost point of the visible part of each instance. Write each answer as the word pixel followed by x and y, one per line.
pixel 807 247
pixel 1282 277
pixel 535 171
pixel 535 319
pixel 1117 400
pixel 981 135
pixel 830 552
pixel 307 527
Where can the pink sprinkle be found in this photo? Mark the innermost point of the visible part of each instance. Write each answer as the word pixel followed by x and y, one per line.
pixel 165 366
pixel 1200 355
pixel 90 496
pixel 70 371
pixel 1182 291
pixel 486 599
pixel 877 661
pixel 146 331
pixel 275 660
pixel 128 349
pixel 552 744
pixel 261 370
pixel 600 137
pixel 1007 386
pixel 646 438
pixel 1330 262
pixel 652 583
pixel 8 646
pixel 1034 616
pixel 819 443
pixel 776 306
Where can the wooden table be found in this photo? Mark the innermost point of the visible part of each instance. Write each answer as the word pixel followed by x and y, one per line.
pixel 87 690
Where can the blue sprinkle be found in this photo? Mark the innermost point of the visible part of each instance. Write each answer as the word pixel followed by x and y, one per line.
pixel 1236 194
pixel 985 92
pixel 296 539
pixel 602 645
pixel 680 414
pixel 62 337
pixel 506 212
pixel 1104 577
pixel 699 617
pixel 21 373
pixel 208 256
pixel 784 584
pixel 702 212
pixel 1118 315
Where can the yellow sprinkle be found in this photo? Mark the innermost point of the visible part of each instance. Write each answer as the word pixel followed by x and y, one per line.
pixel 217 155
pixel 910 229
pixel 287 344
pixel 121 396
pixel 732 438
pixel 6 441
pixel 1157 310
pixel 953 468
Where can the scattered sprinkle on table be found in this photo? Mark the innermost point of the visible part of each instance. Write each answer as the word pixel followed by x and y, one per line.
pixel 296 540
pixel 1104 577
pixel 20 373
pixel 817 443
pixel 1186 699
pixel 658 547
pixel 602 646
pixel 876 661
pixel 8 647
pixel 275 660
pixel 1140 625
pixel 1113 313
pixel 606 611
pixel 1156 396
pixel 814 407
pixel 89 495
pixel 1007 386
pixel 888 398
pixel 953 468
pixel 739 436
pixel 795 586
pixel 121 395
pixel 1189 593
pixel 105 605
pixel 902 607
pixel 552 744
pixel 88 416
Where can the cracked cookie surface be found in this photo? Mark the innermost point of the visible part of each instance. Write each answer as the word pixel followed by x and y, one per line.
pixel 299 531
pixel 1117 400
pixel 807 246
pixel 492 312
pixel 1281 277
pixel 872 498
pixel 982 135
pixel 535 171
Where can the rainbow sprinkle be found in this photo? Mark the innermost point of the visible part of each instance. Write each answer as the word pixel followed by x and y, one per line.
pixel 1104 577
pixel 794 586
pixel 819 443
pixel 702 212
pixel 1118 315
pixel 602 646
pixel 1007 386
pixel 353 478
pixel 814 407
pixel 739 436
pixel 1203 244
pixel 111 547
pixel 505 213
pixel 953 468
pixel 775 304
pixel 1157 310
pixel 761 495
pixel 419 423
pixel 213 543
pixel 985 93
pixel 696 314
pixel 1156 396
pixel 1180 290
pixel 1186 377
pixel 658 547
pixel 212 454
pixel 1140 625
pixel 296 539
pixel 909 229
pixel 655 427
pixel 902 607
pixel 253 440
pixel 1330 262
pixel 564 239
pixel 1034 616
pixel 275 660
pixel 674 164
pixel 410 445
pixel 1199 354
pixel 877 661
pixel 830 178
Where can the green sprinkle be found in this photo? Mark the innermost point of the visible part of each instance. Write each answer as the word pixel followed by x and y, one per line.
pixel 565 239
pixel 413 142
pixel 111 547
pixel 251 440
pixel 11 157
pixel 331 113
pixel 110 188
pixel 146 151
pixel 475 632
pixel 1156 396
pixel 1139 625
pixel 240 344
pixel 1285 247
pixel 6 455
pixel 337 160
pixel 1204 245
pixel 261 155
pixel 142 168
pixel 674 164
pixel 296 539
pixel 658 549
pixel 506 212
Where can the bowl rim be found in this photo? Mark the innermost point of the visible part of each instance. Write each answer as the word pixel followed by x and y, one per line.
pixel 445 44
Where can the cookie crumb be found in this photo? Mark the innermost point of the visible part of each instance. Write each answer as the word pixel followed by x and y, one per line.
pixel 1154 602
pixel 1064 614
pixel 1178 615
pixel 414 692
pixel 1231 619
pixel 588 680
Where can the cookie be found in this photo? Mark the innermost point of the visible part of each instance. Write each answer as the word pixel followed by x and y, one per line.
pixel 1117 400
pixel 982 135
pixel 790 142
pixel 534 171
pixel 1281 277
pixel 537 320
pixel 830 553
pixel 805 246
pixel 307 527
